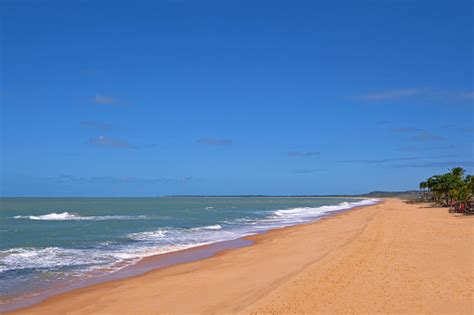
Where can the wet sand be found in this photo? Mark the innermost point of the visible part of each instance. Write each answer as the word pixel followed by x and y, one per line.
pixel 391 257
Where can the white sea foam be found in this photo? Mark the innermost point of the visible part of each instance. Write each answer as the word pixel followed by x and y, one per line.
pixel 49 257
pixel 173 239
pixel 314 212
pixel 134 253
pixel 146 236
pixel 85 259
pixel 208 227
pixel 88 259
pixel 65 216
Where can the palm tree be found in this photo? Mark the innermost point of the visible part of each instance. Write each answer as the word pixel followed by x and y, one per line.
pixel 458 172
pixel 423 186
pixel 451 189
pixel 461 195
pixel 470 181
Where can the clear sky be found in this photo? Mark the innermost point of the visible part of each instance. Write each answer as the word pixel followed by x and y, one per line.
pixel 130 98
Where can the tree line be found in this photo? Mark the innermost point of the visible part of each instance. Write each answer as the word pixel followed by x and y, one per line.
pixel 454 189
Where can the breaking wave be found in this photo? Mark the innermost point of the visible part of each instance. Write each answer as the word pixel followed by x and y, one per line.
pixel 64 216
pixel 309 213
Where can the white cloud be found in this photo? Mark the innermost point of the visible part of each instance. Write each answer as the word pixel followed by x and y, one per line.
pixel 105 141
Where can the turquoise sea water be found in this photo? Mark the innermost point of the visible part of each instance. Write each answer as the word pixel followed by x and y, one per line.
pixel 47 240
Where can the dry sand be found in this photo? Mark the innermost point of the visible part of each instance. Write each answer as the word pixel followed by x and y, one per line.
pixel 388 258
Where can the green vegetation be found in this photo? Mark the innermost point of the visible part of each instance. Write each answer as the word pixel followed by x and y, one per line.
pixel 407 195
pixel 453 189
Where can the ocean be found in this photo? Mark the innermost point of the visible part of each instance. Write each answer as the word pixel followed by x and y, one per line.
pixel 46 241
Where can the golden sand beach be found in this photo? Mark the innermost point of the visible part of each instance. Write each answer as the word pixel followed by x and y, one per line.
pixel 389 258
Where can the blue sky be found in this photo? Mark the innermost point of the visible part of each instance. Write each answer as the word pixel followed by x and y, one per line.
pixel 233 97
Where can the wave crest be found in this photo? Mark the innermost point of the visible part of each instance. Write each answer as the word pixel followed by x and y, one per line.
pixel 65 216
pixel 146 236
pixel 309 212
pixel 208 227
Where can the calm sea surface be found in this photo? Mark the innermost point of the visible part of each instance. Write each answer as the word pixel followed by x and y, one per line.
pixel 44 241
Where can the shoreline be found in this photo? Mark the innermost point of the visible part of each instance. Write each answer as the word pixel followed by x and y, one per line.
pixel 349 248
pixel 141 267
pixel 158 261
